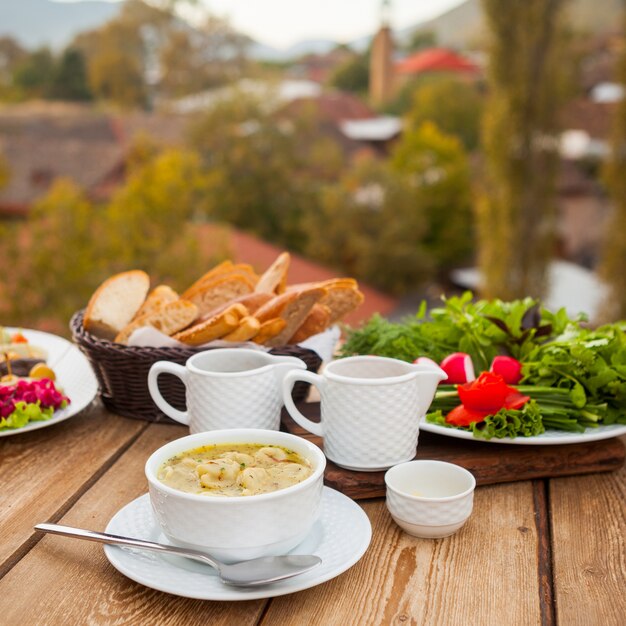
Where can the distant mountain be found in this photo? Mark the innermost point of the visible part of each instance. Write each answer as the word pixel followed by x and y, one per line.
pixel 464 26
pixel 36 23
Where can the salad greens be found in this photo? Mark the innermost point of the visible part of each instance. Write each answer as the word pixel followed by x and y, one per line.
pixel 575 376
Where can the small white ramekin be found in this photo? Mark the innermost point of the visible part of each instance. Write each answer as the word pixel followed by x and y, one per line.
pixel 238 528
pixel 429 499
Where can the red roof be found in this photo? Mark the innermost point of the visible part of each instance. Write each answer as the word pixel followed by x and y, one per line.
pixel 334 106
pixel 436 60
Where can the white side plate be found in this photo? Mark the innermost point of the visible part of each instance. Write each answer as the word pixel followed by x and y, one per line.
pixel 74 376
pixel 340 538
pixel 549 438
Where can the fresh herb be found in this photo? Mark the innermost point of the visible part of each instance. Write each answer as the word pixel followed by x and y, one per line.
pixel 483 329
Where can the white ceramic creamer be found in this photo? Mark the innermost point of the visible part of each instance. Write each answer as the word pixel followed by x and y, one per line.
pixel 227 388
pixel 370 409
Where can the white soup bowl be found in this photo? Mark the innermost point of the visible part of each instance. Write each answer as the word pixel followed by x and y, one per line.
pixel 240 527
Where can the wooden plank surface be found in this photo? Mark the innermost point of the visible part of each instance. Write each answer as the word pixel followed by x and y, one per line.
pixel 71 581
pixel 490 463
pixel 43 469
pixel 588 517
pixel 485 574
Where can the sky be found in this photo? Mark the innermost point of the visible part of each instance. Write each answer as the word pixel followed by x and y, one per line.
pixel 280 23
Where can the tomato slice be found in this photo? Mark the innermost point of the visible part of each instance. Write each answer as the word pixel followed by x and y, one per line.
pixel 461 416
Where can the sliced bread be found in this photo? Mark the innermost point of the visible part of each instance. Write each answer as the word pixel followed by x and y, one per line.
pixel 223 270
pixel 213 294
pixel 213 328
pixel 169 319
pixel 114 304
pixel 274 279
pixel 315 322
pixel 293 307
pixel 157 298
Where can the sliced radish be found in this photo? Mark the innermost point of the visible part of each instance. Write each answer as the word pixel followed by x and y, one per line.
pixel 424 360
pixel 459 368
pixel 509 368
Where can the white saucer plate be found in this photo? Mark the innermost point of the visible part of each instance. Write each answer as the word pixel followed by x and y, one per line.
pixel 549 438
pixel 73 372
pixel 340 538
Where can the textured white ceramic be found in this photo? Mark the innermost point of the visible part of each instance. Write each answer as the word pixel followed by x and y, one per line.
pixel 340 537
pixel 430 498
pixel 549 438
pixel 74 376
pixel 370 409
pixel 227 388
pixel 238 528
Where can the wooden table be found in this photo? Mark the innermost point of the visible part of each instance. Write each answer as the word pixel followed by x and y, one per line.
pixel 533 552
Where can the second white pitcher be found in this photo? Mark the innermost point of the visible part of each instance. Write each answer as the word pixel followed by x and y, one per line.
pixel 227 388
pixel 370 409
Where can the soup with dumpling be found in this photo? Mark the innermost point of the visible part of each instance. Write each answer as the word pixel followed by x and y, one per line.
pixel 234 469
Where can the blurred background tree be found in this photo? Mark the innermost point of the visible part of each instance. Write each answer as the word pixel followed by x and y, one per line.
pixel 32 75
pixel 437 167
pixel 369 222
pixel 517 206
pixel 353 75
pixel 68 245
pixel 211 55
pixel 115 68
pixel 60 252
pixel 11 54
pixel 613 263
pixel 152 219
pixel 5 171
pixel 69 78
pixel 453 105
pixel 268 169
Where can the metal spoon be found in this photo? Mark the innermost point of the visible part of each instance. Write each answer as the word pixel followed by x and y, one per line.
pixel 261 571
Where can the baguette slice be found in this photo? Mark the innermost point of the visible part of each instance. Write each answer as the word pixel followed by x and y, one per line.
pixel 269 330
pixel 248 327
pixel 157 298
pixel 169 319
pixel 115 302
pixel 213 294
pixel 341 299
pixel 342 296
pixel 223 270
pixel 274 279
pixel 252 302
pixel 316 321
pixel 293 307
pixel 208 330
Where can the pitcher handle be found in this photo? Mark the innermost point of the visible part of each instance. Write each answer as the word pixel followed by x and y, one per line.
pixel 288 382
pixel 163 367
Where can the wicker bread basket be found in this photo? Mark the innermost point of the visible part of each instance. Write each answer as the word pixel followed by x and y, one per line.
pixel 122 372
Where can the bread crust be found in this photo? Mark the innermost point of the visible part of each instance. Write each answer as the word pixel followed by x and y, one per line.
pixel 223 270
pixel 209 330
pixel 157 298
pixel 274 279
pixel 104 319
pixel 248 328
pixel 223 290
pixel 293 307
pixel 315 322
pixel 269 329
pixel 169 319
